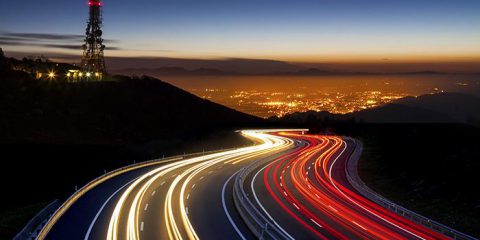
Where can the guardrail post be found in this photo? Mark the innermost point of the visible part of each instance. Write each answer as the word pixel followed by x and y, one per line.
pixel 264 229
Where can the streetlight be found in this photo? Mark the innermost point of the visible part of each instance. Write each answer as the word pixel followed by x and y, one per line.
pixel 51 75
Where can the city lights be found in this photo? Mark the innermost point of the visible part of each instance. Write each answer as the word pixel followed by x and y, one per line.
pixel 267 104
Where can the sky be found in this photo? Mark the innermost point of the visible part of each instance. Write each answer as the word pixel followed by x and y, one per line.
pixel 309 32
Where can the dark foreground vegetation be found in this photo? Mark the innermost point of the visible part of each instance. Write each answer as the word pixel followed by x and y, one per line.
pixel 56 135
pixel 430 169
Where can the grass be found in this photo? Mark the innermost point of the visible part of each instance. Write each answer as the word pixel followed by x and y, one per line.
pixel 428 169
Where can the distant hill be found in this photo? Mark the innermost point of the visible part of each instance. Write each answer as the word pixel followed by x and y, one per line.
pixel 128 110
pixel 433 108
pixel 398 113
pixel 457 106
pixel 176 71
pixel 181 71
pixel 301 71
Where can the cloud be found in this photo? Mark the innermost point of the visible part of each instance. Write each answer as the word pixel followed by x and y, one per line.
pixel 47 45
pixel 12 39
pixel 71 47
pixel 44 36
pixel 47 40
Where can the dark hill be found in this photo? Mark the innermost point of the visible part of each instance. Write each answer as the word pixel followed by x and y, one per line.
pixel 123 111
pixel 458 106
pixel 432 108
pixel 398 113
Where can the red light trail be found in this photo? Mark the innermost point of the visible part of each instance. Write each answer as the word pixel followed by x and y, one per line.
pixel 310 185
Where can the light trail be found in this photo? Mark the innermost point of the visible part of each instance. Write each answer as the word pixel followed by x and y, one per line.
pixel 301 178
pixel 324 202
pixel 175 215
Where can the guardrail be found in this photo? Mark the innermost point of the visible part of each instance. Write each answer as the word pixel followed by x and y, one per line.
pixel 355 180
pixel 80 192
pixel 257 222
pixel 34 226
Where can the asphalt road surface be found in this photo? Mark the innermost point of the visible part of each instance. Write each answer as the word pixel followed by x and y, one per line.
pixel 301 186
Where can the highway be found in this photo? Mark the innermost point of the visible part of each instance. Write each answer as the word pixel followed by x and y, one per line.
pixel 308 196
pixel 299 185
pixel 184 199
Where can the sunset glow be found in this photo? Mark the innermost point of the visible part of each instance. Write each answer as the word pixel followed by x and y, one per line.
pixel 307 32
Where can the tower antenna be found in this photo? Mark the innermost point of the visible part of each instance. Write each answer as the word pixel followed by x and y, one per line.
pixel 93 62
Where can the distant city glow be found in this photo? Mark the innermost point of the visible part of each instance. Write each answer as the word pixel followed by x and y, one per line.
pixel 286 103
pixel 280 95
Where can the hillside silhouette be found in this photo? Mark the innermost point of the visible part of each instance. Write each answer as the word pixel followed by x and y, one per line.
pixel 457 106
pixel 432 108
pixel 128 110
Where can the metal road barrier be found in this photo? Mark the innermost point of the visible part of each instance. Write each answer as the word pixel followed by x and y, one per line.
pixel 34 226
pixel 355 180
pixel 257 222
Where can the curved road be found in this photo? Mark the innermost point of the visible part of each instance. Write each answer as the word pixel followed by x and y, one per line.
pixel 302 187
pixel 189 198
pixel 309 197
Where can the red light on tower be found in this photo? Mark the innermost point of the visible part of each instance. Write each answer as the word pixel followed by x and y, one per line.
pixel 95 3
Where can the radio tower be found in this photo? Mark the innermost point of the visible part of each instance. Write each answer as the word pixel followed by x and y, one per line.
pixel 93 63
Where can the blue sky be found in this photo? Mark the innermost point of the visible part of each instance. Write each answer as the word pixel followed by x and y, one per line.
pixel 301 30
